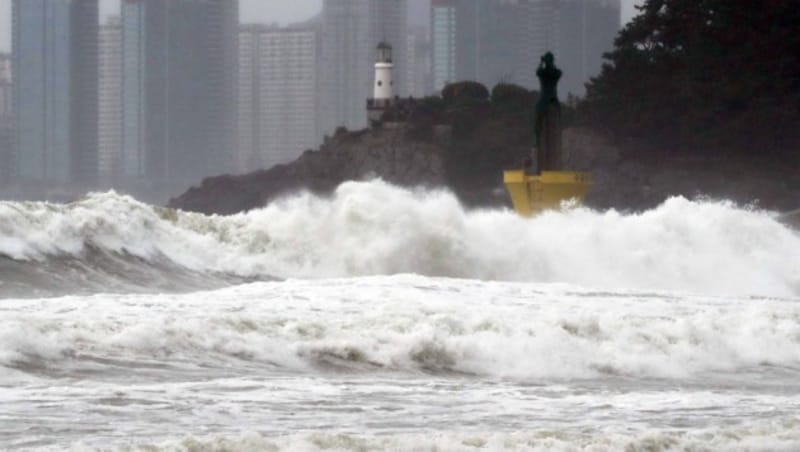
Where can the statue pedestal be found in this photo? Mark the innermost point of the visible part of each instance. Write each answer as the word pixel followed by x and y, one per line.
pixel 548 154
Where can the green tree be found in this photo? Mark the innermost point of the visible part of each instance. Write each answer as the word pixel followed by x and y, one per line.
pixel 710 74
pixel 514 100
pixel 466 92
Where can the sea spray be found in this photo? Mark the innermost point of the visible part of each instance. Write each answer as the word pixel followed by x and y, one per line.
pixel 373 228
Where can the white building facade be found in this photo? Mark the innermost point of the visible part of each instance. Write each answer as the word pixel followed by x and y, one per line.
pixel 278 97
pixel 418 63
pixel 6 86
pixel 7 155
pixel 443 43
pixel 109 139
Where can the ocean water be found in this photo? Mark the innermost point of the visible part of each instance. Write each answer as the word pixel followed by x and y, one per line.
pixel 382 318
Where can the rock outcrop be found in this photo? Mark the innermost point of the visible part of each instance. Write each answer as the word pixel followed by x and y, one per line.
pixel 624 179
pixel 385 153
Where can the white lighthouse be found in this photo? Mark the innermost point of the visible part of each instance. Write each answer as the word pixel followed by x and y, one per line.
pixel 384 84
pixel 383 90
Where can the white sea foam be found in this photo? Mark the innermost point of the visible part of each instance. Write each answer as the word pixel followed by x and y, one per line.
pixel 372 228
pixel 413 324
pixel 404 362
pixel 775 436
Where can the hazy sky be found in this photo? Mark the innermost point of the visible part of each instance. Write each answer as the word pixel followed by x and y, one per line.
pixel 265 11
pixel 628 10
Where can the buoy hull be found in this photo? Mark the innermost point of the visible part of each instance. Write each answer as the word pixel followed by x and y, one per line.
pixel 531 194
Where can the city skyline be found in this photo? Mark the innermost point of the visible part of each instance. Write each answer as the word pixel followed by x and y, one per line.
pixel 496 42
pixel 170 111
pixel 282 12
pixel 255 11
pixel 179 62
pixel 278 95
pixel 54 68
pixel 350 32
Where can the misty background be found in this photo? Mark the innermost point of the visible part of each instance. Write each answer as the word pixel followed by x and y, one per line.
pixel 264 11
pixel 151 98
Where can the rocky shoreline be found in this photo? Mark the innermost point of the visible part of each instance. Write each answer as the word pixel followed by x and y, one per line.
pixel 624 177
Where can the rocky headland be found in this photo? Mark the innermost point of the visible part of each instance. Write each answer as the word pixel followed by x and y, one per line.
pixel 383 153
pixel 624 178
pixel 689 107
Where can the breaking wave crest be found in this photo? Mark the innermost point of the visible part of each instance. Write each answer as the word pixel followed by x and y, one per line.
pixel 409 324
pixel 109 242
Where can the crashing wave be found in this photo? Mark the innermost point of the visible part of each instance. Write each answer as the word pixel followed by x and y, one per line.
pixel 373 228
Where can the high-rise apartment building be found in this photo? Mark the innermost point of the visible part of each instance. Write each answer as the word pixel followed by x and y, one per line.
pixel 418 63
pixel 179 92
pixel 277 94
pixel 534 35
pixel 585 31
pixel 7 159
pixel 481 40
pixel 109 140
pixel 350 31
pixel 443 42
pixel 493 41
pixel 55 91
pixel 6 86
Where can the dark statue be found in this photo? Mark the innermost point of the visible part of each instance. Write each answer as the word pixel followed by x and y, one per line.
pixel 548 116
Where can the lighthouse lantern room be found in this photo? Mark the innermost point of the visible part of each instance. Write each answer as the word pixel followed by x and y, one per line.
pixel 383 90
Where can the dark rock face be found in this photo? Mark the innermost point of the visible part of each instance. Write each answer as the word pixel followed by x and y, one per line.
pixel 623 179
pixel 384 153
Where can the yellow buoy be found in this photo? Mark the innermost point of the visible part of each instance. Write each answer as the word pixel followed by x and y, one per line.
pixel 531 193
pixel 550 187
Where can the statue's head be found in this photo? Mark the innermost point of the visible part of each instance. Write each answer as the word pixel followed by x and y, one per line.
pixel 548 59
